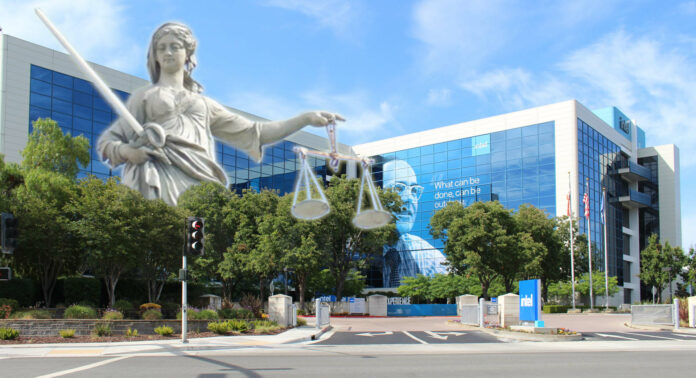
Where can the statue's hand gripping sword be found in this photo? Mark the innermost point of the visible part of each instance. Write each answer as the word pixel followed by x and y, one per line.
pixel 152 133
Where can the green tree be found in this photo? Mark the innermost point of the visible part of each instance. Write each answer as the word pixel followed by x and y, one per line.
pixel 49 149
pixel 111 226
pixel 418 288
pixel 689 275
pixel 324 282
pixel 295 241
pixel 660 264
pixel 479 239
pixel 540 244
pixel 11 176
pixel 46 245
pixel 247 249
pixel 159 254
pixel 220 208
pixel 344 247
pixel 563 289
pixel 449 286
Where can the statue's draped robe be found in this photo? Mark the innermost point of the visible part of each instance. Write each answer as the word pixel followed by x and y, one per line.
pixel 190 122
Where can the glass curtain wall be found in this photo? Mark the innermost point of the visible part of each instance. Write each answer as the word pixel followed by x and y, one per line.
pixel 598 160
pixel 515 167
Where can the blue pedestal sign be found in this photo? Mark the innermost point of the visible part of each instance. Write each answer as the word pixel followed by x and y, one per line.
pixel 530 303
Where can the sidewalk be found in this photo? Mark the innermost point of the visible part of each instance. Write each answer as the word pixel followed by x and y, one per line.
pixel 294 335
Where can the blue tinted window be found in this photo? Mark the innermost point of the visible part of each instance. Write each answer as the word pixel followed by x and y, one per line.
pixel 40 101
pixel 427 150
pixel 530 130
pixel 62 80
pixel 82 85
pixel 41 73
pixel 100 104
pixel 82 112
pixel 64 107
pixel 513 133
pixel 81 124
pixel 440 147
pixel 41 87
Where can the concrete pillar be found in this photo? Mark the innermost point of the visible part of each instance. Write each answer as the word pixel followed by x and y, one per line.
pixel 377 305
pixel 466 299
pixel 691 302
pixel 509 310
pixel 279 308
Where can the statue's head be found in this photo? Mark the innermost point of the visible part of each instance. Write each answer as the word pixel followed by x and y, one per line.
pixel 184 34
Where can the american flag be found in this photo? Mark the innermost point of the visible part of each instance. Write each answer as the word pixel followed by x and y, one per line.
pixel 586 201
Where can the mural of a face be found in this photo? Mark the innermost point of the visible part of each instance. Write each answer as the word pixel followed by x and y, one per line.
pixel 399 176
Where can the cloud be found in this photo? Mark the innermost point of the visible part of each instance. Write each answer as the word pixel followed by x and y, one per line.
pixel 440 97
pixel 96 28
pixel 652 81
pixel 365 118
pixel 516 88
pixel 334 15
pixel 459 33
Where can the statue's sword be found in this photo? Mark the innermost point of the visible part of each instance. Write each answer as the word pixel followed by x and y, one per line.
pixel 154 133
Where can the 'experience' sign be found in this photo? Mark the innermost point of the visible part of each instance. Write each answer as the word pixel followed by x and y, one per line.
pixel 530 305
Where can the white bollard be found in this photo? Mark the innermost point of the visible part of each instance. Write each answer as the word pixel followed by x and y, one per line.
pixel 676 313
pixel 482 302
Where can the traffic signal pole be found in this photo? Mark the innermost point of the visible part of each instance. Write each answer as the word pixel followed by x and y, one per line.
pixel 184 293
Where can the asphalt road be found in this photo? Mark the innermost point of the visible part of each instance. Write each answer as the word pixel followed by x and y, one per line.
pixel 408 337
pixel 355 364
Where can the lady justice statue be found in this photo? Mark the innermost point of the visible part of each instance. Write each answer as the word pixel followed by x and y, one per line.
pixel 187 121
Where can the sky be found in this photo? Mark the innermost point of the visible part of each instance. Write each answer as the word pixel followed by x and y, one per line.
pixel 394 67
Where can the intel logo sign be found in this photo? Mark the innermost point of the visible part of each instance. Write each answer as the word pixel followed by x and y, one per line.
pixel 527 301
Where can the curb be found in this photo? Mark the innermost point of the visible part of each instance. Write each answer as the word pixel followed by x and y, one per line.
pixel 522 336
pixel 312 337
pixel 649 327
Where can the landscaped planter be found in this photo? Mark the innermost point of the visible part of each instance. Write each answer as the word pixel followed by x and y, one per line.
pixel 83 327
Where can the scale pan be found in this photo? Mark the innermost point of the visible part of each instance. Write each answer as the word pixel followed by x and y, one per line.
pixel 310 209
pixel 370 219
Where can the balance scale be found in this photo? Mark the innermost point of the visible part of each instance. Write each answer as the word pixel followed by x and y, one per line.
pixel 315 205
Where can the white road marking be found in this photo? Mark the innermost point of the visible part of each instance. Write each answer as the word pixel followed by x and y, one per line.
pixel 683 335
pixel 369 334
pixel 81 368
pixel 657 337
pixel 615 336
pixel 436 336
pixel 414 337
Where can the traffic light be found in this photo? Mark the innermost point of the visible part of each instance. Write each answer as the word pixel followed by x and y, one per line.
pixel 195 229
pixel 9 233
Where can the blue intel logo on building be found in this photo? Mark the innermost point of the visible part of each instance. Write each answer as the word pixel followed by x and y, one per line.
pixel 530 305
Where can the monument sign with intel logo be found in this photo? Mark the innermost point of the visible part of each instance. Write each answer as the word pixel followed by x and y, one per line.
pixel 530 305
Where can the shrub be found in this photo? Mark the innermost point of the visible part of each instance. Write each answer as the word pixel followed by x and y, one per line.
pixel 124 306
pixel 220 328
pixel 152 315
pixel 164 331
pixel 82 290
pixel 67 333
pixel 253 304
pixel 241 313
pixel 207 315
pixel 12 303
pixel 150 306
pixel 22 290
pixel 301 322
pixel 102 329
pixel 265 326
pixel 111 314
pixel 5 311
pixel 79 312
pixel 237 325
pixel 8 333
pixel 31 314
pixel 169 309
pixel 555 309
pixel 131 332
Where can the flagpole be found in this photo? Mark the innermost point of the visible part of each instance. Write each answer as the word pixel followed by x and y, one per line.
pixel 606 260
pixel 572 249
pixel 589 236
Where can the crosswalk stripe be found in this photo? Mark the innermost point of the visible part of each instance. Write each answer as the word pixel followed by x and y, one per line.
pixel 616 336
pixel 649 335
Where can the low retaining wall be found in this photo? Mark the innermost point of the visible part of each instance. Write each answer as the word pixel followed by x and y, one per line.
pixel 422 310
pixel 50 327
